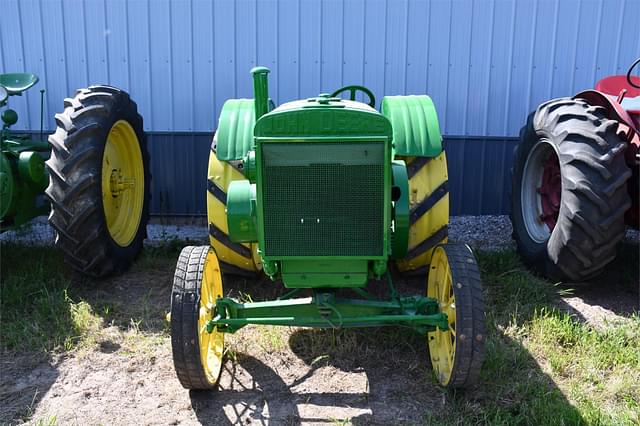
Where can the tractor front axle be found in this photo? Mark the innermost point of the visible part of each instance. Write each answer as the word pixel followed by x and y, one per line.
pixel 325 310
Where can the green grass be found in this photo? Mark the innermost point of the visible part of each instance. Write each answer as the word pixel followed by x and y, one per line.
pixel 38 312
pixel 542 365
pixel 45 308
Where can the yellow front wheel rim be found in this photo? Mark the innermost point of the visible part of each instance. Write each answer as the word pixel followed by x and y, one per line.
pixel 211 344
pixel 122 183
pixel 442 343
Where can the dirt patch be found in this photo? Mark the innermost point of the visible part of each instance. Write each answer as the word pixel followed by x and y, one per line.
pixel 121 387
pixel 610 298
pixel 124 373
pixel 24 379
pixel 278 375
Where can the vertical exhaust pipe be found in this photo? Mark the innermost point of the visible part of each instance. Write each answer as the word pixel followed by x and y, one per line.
pixel 261 90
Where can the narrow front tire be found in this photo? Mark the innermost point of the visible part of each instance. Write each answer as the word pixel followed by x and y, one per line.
pixel 454 280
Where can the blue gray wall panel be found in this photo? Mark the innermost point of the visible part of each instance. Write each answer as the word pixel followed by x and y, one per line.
pixel 478 173
pixel 486 64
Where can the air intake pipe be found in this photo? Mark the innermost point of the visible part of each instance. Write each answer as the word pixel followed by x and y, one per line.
pixel 261 90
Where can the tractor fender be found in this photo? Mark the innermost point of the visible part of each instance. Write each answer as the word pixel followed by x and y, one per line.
pixel 629 130
pixel 235 129
pixel 416 132
pixel 614 111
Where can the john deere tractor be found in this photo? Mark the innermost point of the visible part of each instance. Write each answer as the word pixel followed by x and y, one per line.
pixel 328 196
pixel 96 178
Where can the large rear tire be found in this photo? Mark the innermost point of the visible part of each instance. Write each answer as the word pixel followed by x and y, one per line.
pixel 99 181
pixel 428 211
pixel 235 258
pixel 569 192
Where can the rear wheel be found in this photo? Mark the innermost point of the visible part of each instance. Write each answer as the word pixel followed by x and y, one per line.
pixel 429 211
pixel 454 280
pixel 235 258
pixel 569 191
pixel 99 181
pixel 197 284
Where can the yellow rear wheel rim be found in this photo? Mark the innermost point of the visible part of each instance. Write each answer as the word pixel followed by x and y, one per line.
pixel 122 183
pixel 421 186
pixel 211 344
pixel 442 343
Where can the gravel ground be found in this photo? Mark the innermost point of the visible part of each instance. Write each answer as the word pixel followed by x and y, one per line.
pixel 38 232
pixel 488 233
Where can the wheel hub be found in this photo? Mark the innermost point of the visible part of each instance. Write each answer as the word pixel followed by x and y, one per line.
pixel 211 343
pixel 122 183
pixel 119 183
pixel 442 343
pixel 550 192
pixel 540 191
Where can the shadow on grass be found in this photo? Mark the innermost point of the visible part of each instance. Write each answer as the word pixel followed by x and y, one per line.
pixel 46 310
pixel 617 289
pixel 397 390
pixel 400 387
pixel 265 398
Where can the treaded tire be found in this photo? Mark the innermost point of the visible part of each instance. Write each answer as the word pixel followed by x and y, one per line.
pixel 185 310
pixel 75 184
pixel 594 194
pixel 470 319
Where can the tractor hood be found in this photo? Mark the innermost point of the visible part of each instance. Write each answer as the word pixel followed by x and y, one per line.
pixel 321 117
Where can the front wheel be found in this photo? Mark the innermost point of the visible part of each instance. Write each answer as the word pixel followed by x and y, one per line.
pixel 197 284
pixel 454 281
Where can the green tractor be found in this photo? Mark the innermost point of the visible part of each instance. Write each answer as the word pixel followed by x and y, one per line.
pixel 328 196
pixel 95 180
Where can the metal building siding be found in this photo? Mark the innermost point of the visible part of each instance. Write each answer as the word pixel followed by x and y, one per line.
pixel 486 64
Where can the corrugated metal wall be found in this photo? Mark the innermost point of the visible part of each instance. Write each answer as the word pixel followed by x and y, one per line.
pixel 486 64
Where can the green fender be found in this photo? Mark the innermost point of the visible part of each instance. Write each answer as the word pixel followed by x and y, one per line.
pixel 416 132
pixel 235 129
pixel 400 195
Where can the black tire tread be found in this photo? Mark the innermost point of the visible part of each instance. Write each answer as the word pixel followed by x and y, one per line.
pixel 185 304
pixel 594 194
pixel 75 184
pixel 470 319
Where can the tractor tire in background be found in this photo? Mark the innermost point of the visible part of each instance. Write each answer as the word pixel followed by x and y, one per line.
pixel 428 211
pixel 235 258
pixel 569 192
pixel 99 181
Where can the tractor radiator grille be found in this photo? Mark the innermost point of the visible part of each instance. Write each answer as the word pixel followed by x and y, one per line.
pixel 323 199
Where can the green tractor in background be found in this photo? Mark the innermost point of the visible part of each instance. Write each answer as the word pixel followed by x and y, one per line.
pixel 328 195
pixel 96 179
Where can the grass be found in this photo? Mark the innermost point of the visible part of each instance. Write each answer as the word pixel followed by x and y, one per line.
pixel 38 312
pixel 542 365
pixel 45 308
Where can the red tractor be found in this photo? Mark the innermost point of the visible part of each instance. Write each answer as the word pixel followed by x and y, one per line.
pixel 576 179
